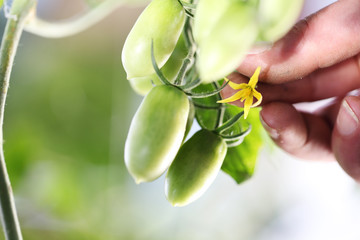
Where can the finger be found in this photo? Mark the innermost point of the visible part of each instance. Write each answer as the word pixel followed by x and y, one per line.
pixel 335 81
pixel 302 135
pixel 330 111
pixel 346 136
pixel 321 40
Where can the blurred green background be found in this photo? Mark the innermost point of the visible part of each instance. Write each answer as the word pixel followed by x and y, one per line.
pixel 67 115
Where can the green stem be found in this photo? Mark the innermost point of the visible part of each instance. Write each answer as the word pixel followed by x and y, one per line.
pixel 73 26
pixel 21 9
pixel 189 60
pixel 221 110
pixel 229 123
pixel 206 94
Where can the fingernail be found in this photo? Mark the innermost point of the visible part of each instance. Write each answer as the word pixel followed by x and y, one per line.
pixel 274 134
pixel 347 121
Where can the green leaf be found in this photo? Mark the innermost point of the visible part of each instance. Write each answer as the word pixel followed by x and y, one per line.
pixel 190 120
pixel 240 161
pixel 1 3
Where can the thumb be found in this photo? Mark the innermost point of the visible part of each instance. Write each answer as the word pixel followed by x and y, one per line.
pixel 346 136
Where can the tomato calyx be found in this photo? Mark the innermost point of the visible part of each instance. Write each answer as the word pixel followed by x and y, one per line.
pixel 232 139
pixel 226 123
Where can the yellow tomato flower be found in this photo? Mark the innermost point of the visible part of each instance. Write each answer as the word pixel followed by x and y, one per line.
pixel 247 92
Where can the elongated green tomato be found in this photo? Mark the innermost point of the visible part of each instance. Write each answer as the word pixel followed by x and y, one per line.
pixel 207 14
pixel 142 85
pixel 228 42
pixel 195 167
pixel 156 133
pixel 276 17
pixel 161 22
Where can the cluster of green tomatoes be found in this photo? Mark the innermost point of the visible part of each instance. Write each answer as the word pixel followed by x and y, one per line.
pixel 177 55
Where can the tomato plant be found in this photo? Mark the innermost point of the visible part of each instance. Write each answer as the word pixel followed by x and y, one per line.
pixel 215 37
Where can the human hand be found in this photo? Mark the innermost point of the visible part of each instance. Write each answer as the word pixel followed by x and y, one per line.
pixel 318 59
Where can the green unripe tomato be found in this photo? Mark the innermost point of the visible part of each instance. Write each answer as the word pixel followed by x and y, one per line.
pixel 277 17
pixel 142 85
pixel 156 133
pixel 207 14
pixel 228 41
pixel 161 22
pixel 195 167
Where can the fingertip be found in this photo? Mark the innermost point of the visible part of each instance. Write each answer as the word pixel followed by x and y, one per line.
pixel 302 135
pixel 346 136
pixel 284 125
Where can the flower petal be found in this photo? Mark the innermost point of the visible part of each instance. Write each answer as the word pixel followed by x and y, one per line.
pixel 258 96
pixel 244 97
pixel 237 86
pixel 255 77
pixel 247 106
pixel 233 98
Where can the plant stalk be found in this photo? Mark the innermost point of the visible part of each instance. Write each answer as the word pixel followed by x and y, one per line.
pixel 75 25
pixel 11 37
